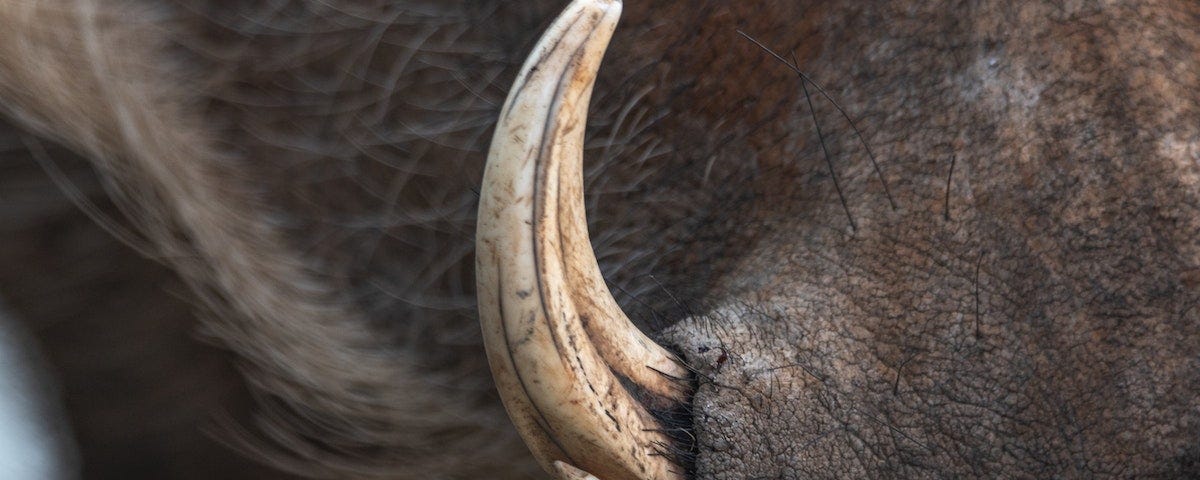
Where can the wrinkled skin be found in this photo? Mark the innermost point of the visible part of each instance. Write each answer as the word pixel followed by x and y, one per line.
pixel 1026 308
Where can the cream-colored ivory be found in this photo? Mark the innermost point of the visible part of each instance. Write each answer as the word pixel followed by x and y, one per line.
pixel 568 472
pixel 554 334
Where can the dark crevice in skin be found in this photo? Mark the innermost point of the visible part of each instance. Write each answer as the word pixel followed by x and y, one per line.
pixel 1027 308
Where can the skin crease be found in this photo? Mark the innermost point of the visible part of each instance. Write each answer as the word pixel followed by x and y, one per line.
pixel 1041 326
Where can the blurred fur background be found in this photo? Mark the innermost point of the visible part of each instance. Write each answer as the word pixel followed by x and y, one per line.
pixel 241 232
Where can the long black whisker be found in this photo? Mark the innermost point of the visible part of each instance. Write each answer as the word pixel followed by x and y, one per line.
pixel 950 176
pixel 828 160
pixel 658 322
pixel 683 307
pixel 853 126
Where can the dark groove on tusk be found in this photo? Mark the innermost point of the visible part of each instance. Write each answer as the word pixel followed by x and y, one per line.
pixel 541 59
pixel 541 417
pixel 539 184
pixel 534 229
pixel 614 419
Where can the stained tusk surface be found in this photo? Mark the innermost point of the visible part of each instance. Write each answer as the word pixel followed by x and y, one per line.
pixel 567 472
pixel 553 332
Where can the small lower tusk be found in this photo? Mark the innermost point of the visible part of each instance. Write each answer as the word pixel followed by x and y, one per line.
pixel 556 338
pixel 567 472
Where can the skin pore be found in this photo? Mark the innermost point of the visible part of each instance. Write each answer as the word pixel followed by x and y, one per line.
pixel 1042 326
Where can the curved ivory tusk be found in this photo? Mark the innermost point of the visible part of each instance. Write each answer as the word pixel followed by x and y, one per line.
pixel 567 472
pixel 554 334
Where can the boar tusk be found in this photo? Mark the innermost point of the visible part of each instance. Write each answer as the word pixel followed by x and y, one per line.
pixel 568 472
pixel 556 338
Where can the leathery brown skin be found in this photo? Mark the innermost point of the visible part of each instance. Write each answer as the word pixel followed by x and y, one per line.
pixel 556 338
pixel 1029 309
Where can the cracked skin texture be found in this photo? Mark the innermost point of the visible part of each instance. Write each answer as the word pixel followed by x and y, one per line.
pixel 1031 315
pixel 1041 326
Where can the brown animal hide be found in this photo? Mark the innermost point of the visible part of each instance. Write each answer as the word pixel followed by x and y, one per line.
pixel 243 231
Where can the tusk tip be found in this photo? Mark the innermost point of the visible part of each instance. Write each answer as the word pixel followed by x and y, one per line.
pixel 565 471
